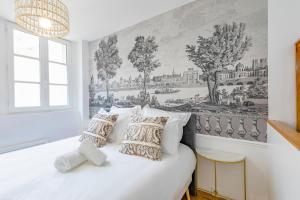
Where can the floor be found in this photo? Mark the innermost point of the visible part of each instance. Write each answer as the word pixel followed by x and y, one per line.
pixel 203 196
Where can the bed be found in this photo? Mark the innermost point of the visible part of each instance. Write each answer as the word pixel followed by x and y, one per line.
pixel 29 175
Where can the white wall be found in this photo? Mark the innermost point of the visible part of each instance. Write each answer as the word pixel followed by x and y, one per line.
pixel 81 62
pixel 230 176
pixel 19 130
pixel 284 168
pixel 22 130
pixel 284 162
pixel 284 31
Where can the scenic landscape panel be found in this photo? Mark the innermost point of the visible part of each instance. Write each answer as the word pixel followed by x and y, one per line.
pixel 207 57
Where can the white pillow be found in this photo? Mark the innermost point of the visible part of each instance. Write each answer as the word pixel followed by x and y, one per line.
pixel 122 122
pixel 120 128
pixel 133 110
pixel 171 136
pixel 173 130
pixel 152 112
pixel 102 110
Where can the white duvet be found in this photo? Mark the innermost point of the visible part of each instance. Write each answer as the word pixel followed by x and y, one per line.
pixel 30 175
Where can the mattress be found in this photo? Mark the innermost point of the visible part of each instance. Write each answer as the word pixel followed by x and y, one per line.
pixel 29 174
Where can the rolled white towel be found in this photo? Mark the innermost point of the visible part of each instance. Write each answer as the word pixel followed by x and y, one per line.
pixel 68 161
pixel 92 153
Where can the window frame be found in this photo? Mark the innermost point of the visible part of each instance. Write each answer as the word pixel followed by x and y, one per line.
pixel 68 61
pixel 44 73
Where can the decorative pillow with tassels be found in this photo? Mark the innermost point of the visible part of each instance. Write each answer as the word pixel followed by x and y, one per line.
pixel 143 137
pixel 99 128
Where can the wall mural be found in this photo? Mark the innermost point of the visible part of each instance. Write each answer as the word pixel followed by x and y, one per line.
pixel 208 57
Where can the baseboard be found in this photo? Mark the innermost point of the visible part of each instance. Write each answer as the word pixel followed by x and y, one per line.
pixel 15 147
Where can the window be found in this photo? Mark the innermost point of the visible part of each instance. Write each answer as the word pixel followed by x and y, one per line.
pixel 38 72
pixel 58 75
pixel 26 70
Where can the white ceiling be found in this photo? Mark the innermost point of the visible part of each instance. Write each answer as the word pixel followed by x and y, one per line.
pixel 91 19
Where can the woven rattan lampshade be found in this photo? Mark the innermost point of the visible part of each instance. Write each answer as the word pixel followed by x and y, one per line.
pixel 48 18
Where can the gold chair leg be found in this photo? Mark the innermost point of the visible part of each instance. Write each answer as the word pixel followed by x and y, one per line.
pixel 245 181
pixel 187 194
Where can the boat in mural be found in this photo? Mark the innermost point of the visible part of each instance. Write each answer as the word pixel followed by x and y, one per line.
pixel 166 90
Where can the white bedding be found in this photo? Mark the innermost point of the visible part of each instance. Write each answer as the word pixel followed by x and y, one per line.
pixel 29 174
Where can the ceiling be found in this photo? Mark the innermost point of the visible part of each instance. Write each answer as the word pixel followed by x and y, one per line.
pixel 91 19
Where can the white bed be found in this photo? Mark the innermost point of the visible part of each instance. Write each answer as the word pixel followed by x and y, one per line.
pixel 29 174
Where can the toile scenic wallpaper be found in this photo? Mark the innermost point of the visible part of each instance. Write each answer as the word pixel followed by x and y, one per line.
pixel 208 57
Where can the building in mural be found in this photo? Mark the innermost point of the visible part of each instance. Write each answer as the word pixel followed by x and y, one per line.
pixel 207 57
pixel 241 75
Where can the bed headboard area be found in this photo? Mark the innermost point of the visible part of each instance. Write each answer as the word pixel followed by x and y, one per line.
pixel 189 139
pixel 206 57
pixel 189 132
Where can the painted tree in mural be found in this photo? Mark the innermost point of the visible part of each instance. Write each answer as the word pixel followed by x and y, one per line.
pixel 142 56
pixel 225 47
pixel 107 61
pixel 92 92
